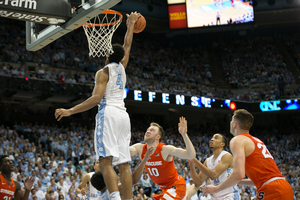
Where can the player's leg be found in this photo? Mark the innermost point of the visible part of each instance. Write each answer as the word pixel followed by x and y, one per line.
pixel 106 149
pixel 126 181
pixel 123 138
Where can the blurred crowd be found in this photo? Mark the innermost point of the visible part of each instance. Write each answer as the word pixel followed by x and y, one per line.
pixel 250 60
pixel 157 66
pixel 59 157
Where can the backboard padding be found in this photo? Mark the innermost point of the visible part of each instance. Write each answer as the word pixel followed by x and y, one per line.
pixel 35 42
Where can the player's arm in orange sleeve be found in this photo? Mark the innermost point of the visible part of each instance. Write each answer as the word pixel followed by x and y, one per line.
pixel 189 152
pixel 132 18
pixel 238 151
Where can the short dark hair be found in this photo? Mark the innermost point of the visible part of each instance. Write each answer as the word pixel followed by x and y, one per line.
pixel 2 157
pixel 245 119
pixel 160 129
pixel 224 140
pixel 97 181
pixel 118 53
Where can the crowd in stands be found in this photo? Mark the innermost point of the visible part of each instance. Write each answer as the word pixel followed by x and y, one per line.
pixel 292 43
pixel 156 66
pixel 250 60
pixel 58 157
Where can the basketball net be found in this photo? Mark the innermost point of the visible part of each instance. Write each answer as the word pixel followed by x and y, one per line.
pixel 99 32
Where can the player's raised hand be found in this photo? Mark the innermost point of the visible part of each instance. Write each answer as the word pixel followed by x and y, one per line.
pixel 182 126
pixel 149 153
pixel 60 113
pixel 29 182
pixel 133 17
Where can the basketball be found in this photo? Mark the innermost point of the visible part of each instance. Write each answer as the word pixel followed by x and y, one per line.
pixel 139 25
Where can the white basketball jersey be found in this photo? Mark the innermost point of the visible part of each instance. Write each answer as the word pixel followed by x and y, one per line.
pixel 114 92
pixel 93 193
pixel 211 164
pixel 105 195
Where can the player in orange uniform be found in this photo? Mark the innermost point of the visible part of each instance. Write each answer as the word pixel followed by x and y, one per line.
pixel 251 155
pixel 160 167
pixel 8 187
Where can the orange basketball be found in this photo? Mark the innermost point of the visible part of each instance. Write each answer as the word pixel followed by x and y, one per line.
pixel 139 25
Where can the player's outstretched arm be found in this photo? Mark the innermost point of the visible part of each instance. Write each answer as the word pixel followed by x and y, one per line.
pixel 189 152
pixel 28 185
pixel 226 161
pixel 136 149
pixel 80 189
pixel 101 79
pixel 138 172
pixel 132 18
pixel 246 182
pixel 237 149
pixel 197 178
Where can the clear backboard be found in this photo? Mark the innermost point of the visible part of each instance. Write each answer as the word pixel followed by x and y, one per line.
pixel 37 40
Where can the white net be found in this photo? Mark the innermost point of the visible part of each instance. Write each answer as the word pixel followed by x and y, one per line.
pixel 99 32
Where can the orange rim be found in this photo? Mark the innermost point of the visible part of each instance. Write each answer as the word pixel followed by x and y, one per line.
pixel 112 12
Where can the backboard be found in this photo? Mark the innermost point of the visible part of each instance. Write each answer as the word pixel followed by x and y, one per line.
pixel 37 40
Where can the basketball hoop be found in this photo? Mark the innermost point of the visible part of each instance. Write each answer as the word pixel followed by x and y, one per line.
pixel 99 32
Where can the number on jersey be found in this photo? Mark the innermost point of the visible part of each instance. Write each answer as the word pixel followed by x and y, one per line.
pixel 153 171
pixel 6 198
pixel 265 152
pixel 119 81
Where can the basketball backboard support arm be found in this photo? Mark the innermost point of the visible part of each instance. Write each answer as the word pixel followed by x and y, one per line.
pixel 36 41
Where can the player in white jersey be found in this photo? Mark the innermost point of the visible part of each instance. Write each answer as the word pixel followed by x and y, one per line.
pixel 98 183
pixel 217 167
pixel 112 131
pixel 85 187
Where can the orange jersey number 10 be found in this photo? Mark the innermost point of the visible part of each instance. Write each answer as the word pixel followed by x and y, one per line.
pixel 153 171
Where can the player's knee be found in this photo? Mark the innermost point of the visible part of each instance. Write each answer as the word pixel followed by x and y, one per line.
pixel 123 167
pixel 105 162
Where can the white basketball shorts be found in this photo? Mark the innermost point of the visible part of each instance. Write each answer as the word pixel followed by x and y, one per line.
pixel 112 134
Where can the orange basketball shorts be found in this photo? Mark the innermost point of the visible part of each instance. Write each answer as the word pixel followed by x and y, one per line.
pixel 177 191
pixel 276 190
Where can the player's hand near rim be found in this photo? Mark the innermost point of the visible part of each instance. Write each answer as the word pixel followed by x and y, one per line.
pixel 133 17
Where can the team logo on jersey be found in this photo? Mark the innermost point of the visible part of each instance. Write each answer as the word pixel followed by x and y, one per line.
pixel 261 195
pixel 157 154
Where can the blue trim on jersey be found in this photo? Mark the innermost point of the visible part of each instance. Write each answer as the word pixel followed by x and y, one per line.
pixel 99 128
pixel 235 187
pixel 237 196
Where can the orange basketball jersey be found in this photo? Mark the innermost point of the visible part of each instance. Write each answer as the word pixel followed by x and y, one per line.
pixel 260 166
pixel 7 191
pixel 161 172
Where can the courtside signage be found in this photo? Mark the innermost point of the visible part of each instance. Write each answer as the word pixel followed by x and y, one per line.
pixel 206 102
